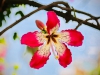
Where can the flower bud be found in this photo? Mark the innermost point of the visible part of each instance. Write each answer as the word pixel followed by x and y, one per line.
pixel 39 24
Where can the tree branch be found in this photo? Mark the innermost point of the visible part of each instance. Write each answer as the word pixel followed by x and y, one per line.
pixel 15 23
pixel 48 8
pixel 79 23
pixel 86 23
pixel 68 9
pixel 2 3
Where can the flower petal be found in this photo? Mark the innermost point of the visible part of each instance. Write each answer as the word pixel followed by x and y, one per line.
pixel 32 39
pixel 64 54
pixel 63 37
pixel 52 21
pixel 75 38
pixel 66 58
pixel 40 58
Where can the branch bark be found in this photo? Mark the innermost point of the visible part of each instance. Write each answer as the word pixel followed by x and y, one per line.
pixel 15 23
pixel 48 8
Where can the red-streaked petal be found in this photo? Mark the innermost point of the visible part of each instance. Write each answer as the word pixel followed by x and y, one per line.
pixel 52 21
pixel 31 39
pixel 65 59
pixel 40 58
pixel 75 37
pixel 64 54
pixel 39 24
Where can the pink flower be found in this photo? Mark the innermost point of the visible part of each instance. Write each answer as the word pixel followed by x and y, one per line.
pixel 50 38
pixel 2 56
pixel 2 50
pixel 2 67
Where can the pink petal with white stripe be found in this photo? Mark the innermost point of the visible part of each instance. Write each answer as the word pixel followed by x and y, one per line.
pixel 40 58
pixel 75 37
pixel 65 59
pixel 52 21
pixel 64 54
pixel 32 39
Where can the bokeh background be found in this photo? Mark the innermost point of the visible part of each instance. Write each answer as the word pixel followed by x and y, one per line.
pixel 86 58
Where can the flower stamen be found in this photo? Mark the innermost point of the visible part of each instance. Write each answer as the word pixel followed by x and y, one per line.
pixel 56 56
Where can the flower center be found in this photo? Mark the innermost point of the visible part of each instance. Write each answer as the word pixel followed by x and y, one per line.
pixel 51 37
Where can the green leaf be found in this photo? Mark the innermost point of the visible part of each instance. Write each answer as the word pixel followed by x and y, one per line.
pixel 22 5
pixel 8 12
pixel 31 50
pixel 15 36
pixel 44 31
pixel 20 13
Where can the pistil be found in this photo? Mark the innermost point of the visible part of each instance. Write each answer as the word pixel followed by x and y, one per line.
pixel 56 56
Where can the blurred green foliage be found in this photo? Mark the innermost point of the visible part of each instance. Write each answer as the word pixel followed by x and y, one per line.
pixel 95 71
pixel 15 36
pixel 6 11
pixel 31 50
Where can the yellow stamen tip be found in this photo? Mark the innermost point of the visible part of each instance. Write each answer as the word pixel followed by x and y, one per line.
pixel 56 57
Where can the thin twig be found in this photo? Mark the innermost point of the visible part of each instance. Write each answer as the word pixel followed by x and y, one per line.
pixel 68 9
pixel 82 21
pixel 79 24
pixel 92 17
pixel 97 22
